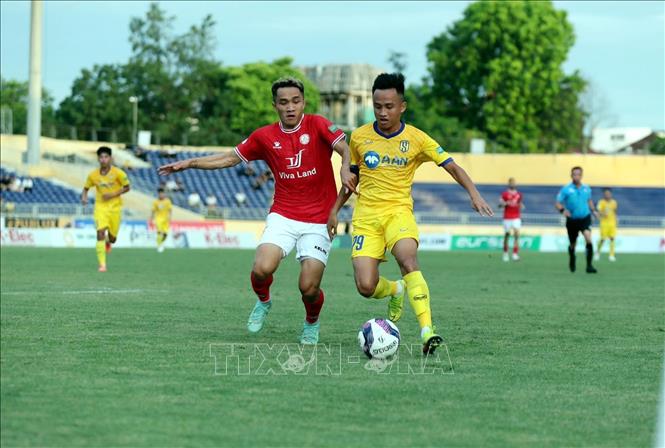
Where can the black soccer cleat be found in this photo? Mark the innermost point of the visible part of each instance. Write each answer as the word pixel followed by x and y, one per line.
pixel 591 270
pixel 431 343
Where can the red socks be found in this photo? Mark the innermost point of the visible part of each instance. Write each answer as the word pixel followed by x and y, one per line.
pixel 313 308
pixel 262 287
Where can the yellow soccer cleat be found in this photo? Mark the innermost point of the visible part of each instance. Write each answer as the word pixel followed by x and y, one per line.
pixel 396 303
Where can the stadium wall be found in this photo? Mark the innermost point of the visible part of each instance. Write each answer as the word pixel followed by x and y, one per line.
pixel 551 169
pixel 246 234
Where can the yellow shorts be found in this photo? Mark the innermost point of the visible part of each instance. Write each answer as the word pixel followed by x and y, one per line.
pixel 608 230
pixel 372 236
pixel 162 225
pixel 108 219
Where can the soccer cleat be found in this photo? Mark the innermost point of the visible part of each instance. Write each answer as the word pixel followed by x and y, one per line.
pixel 102 268
pixel 160 249
pixel 613 258
pixel 258 316
pixel 516 257
pixel 396 303
pixel 310 333
pixel 571 260
pixel 108 247
pixel 431 341
pixel 596 257
pixel 506 257
pixel 591 270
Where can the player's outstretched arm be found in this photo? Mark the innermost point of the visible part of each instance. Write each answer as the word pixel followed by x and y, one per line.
pixel 477 201
pixel 213 162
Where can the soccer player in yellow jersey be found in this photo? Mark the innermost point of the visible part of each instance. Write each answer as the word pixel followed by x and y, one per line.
pixel 161 216
pixel 385 155
pixel 110 183
pixel 607 207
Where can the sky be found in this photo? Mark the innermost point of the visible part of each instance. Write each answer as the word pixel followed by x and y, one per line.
pixel 620 46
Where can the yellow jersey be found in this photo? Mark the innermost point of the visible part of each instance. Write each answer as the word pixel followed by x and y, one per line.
pixel 114 180
pixel 608 211
pixel 387 164
pixel 161 209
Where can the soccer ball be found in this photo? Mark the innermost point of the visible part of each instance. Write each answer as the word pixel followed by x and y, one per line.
pixel 379 338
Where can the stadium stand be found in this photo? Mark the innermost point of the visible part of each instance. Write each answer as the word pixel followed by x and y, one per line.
pixel 428 197
pixel 42 192
pixel 222 184
pixel 537 199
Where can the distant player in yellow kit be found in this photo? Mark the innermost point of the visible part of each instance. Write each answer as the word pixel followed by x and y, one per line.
pixel 607 207
pixel 385 154
pixel 161 216
pixel 110 183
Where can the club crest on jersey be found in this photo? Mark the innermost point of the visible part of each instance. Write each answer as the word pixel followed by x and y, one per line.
pixel 295 162
pixel 404 145
pixel 372 159
pixel 304 139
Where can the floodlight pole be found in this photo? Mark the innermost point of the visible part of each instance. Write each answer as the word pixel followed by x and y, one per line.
pixel 35 85
pixel 135 114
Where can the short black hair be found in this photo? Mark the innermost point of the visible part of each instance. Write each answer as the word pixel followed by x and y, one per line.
pixel 160 190
pixel 576 168
pixel 287 82
pixel 389 81
pixel 104 150
pixel 607 189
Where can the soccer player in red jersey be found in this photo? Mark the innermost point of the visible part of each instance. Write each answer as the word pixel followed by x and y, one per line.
pixel 297 149
pixel 511 202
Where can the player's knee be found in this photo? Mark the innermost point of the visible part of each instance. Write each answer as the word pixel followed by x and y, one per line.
pixel 409 265
pixel 309 289
pixel 263 270
pixel 112 238
pixel 366 287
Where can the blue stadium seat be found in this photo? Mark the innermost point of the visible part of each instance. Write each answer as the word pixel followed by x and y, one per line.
pixel 537 199
pixel 43 192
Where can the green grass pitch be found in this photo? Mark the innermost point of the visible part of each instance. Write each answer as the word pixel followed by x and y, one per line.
pixel 540 357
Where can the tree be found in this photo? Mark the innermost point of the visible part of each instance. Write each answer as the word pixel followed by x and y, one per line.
pixel 99 100
pixel 185 95
pixel 499 70
pixel 657 146
pixel 251 99
pixel 14 96
pixel 397 60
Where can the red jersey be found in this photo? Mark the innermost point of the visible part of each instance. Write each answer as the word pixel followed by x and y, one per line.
pixel 513 207
pixel 299 159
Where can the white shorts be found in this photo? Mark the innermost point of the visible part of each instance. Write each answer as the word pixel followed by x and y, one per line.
pixel 512 224
pixel 310 240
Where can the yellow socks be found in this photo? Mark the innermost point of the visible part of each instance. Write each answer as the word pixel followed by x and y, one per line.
pixel 384 288
pixel 611 248
pixel 100 248
pixel 419 298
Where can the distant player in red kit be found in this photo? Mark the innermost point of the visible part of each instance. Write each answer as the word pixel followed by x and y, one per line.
pixel 511 202
pixel 297 149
